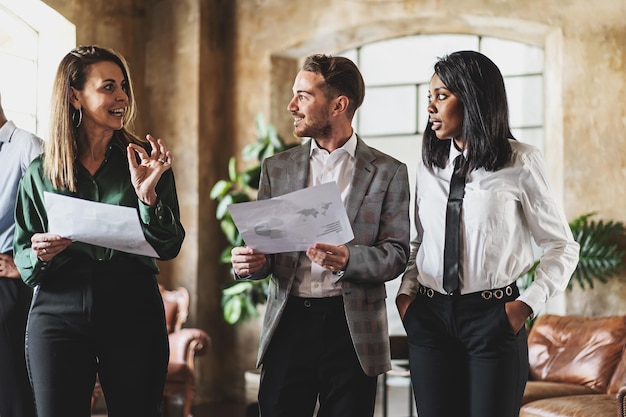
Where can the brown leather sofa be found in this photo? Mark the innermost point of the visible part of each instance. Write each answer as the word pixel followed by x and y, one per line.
pixel 577 367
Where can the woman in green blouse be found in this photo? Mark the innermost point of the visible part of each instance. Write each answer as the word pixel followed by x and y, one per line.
pixel 95 309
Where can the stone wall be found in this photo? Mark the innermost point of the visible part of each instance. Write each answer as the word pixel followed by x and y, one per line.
pixel 204 68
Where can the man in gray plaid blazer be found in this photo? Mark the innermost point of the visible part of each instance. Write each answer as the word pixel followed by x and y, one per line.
pixel 325 332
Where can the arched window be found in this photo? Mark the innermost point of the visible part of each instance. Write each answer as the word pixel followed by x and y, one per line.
pixel 33 39
pixel 18 55
pixel 397 73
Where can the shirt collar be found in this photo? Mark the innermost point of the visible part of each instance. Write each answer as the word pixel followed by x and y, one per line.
pixel 349 146
pixel 6 131
pixel 116 143
pixel 454 152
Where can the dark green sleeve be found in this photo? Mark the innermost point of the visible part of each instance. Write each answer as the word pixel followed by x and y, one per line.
pixel 161 224
pixel 31 218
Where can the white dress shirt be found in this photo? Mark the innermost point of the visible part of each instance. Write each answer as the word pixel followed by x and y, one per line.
pixel 501 212
pixel 311 279
pixel 17 149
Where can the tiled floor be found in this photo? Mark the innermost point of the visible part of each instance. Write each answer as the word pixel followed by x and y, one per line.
pixel 398 403
pixel 398 400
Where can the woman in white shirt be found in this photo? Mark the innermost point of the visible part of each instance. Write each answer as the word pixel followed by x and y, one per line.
pixel 468 348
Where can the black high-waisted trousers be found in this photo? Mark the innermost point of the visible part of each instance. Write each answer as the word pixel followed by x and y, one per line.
pixel 102 317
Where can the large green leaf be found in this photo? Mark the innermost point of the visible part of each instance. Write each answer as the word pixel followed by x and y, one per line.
pixel 230 230
pixel 237 288
pixel 222 206
pixel 232 169
pixel 220 189
pixel 599 257
pixel 253 150
pixel 225 256
pixel 232 310
pixel 273 137
pixel 252 176
pixel 260 126
pixel 250 307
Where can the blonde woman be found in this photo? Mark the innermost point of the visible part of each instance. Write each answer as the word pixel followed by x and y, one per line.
pixel 96 310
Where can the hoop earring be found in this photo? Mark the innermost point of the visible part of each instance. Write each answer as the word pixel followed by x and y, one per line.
pixel 77 114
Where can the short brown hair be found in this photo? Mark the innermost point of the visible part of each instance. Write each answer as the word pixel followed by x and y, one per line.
pixel 341 77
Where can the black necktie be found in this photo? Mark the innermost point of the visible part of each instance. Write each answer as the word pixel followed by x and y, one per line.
pixel 451 249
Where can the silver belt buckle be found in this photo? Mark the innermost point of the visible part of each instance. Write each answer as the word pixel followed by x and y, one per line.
pixel 428 292
pixel 497 294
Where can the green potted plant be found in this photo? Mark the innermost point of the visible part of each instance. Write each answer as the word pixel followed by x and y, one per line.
pixel 599 259
pixel 240 299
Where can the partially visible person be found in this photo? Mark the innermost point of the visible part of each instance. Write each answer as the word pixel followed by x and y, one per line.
pixel 325 332
pixel 95 309
pixel 17 149
pixel 463 314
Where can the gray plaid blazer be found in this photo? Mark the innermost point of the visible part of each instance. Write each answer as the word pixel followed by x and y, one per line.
pixel 378 209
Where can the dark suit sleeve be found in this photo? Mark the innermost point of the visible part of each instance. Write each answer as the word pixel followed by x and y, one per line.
pixel 263 194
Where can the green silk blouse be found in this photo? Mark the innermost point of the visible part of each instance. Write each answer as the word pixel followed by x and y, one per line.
pixel 111 184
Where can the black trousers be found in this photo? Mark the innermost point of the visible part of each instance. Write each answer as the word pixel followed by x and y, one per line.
pixel 16 396
pixel 97 317
pixel 465 359
pixel 311 357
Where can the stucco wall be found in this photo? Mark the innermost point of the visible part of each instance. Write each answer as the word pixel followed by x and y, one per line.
pixel 590 68
pixel 204 68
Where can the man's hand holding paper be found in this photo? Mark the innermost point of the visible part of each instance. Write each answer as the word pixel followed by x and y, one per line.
pixel 294 221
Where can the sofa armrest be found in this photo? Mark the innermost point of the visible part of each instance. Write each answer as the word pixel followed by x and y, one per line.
pixel 186 344
pixel 556 345
pixel 621 402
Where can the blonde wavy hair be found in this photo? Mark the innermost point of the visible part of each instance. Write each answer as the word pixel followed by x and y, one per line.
pixel 61 149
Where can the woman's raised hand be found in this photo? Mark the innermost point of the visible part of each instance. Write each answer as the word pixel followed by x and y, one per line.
pixel 146 173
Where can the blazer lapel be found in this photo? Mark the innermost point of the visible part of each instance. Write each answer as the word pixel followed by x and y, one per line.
pixel 363 173
pixel 298 169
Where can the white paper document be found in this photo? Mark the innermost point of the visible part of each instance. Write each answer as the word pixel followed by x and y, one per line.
pixel 294 221
pixel 106 225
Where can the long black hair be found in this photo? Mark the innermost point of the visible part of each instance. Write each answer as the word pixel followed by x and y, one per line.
pixel 477 82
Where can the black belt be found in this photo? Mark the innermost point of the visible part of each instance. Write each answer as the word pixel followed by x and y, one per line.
pixel 316 304
pixel 510 292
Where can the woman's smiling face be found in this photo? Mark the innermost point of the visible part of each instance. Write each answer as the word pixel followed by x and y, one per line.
pixel 103 99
